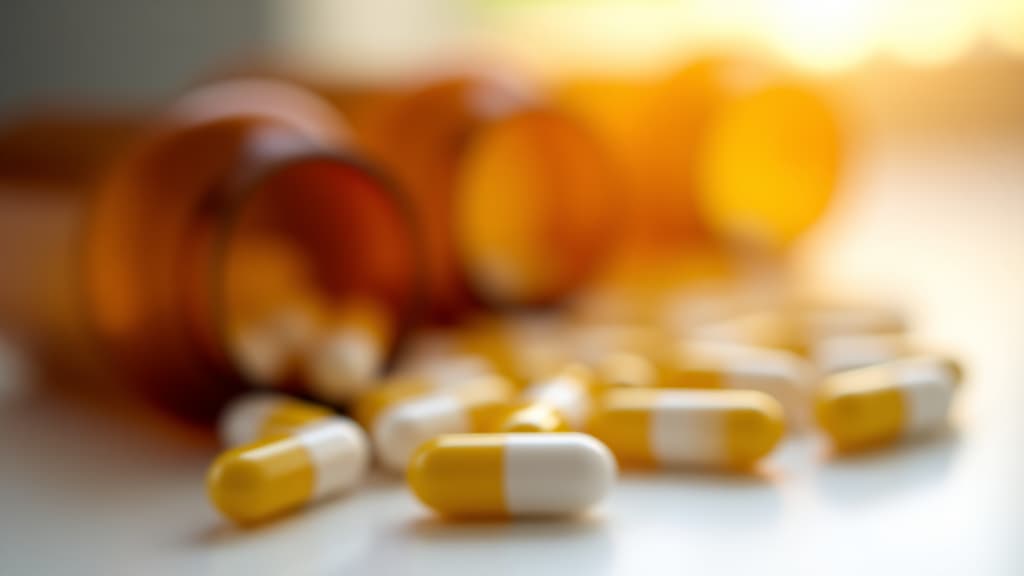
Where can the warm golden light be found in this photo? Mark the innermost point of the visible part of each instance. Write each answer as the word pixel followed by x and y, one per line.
pixel 931 32
pixel 824 36
pixel 1006 24
pixel 820 37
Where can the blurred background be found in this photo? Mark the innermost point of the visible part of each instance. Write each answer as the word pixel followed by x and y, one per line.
pixel 928 212
pixel 966 55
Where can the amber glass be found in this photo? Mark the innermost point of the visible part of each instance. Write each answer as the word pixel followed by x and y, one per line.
pixel 719 149
pixel 517 200
pixel 240 164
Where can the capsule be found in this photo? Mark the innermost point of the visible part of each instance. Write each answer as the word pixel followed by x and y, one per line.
pixel 436 376
pixel 532 417
pixel 259 481
pixel 764 329
pixel 693 428
pixel 343 364
pixel 262 415
pixel 570 392
pixel 820 322
pixel 512 475
pixel 268 351
pixel 399 431
pixel 523 348
pixel 349 351
pixel 778 373
pixel 881 404
pixel 841 353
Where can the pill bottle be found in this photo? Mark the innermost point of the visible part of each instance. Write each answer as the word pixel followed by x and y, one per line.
pixel 242 202
pixel 516 198
pixel 720 149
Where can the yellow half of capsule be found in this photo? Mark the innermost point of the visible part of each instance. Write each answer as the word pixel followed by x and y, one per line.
pixel 461 475
pixel 256 482
pixel 374 402
pixel 752 432
pixel 704 377
pixel 857 417
pixel 288 416
pixel 625 430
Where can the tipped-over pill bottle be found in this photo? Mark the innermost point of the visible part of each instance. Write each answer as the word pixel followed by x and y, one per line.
pixel 234 240
pixel 516 199
pixel 718 148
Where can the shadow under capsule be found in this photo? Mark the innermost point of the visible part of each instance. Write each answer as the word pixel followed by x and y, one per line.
pixel 320 538
pixel 853 479
pixel 555 546
pixel 701 498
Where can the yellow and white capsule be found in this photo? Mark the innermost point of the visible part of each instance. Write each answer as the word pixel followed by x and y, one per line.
pixel 401 429
pixel 765 329
pixel 532 417
pixel 262 415
pixel 778 373
pixel 342 364
pixel 349 352
pixel 447 375
pixel 696 428
pixel 512 475
pixel 270 477
pixel 841 353
pixel 884 403
pixel 570 392
pixel 269 350
pixel 627 370
pixel 820 322
pixel 522 347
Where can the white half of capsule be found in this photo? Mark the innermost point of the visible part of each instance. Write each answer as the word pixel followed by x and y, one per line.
pixel 265 351
pixel 567 394
pixel 820 323
pixel 340 453
pixel 451 371
pixel 840 353
pixel 400 431
pixel 556 474
pixel 928 388
pixel 243 419
pixel 778 373
pixel 343 364
pixel 689 428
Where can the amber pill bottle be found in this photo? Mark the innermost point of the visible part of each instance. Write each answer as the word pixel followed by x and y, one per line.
pixel 517 200
pixel 719 149
pixel 149 245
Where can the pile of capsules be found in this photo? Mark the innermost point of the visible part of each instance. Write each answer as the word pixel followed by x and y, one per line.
pixel 525 416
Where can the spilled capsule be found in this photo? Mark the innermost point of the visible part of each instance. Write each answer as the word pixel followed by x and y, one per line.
pixel 818 322
pixel 268 351
pixel 446 375
pixel 849 352
pixel 511 475
pixel 260 415
pixel 532 417
pixel 270 477
pixel 342 364
pixel 779 373
pixel 626 370
pixel 884 403
pixel 400 430
pixel 699 428
pixel 569 393
pixel 349 351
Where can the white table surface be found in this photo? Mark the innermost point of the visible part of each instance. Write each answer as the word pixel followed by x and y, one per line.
pixel 941 230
